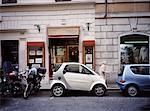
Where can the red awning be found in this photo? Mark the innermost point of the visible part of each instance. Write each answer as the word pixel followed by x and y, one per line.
pixel 89 42
pixel 40 44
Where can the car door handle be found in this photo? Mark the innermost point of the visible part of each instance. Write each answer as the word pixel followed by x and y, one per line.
pixel 59 78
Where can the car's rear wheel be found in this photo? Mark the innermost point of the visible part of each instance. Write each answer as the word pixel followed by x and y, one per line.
pixel 99 90
pixel 58 90
pixel 132 90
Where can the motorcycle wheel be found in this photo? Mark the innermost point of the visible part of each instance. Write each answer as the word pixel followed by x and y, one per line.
pixel 37 88
pixel 16 89
pixel 27 91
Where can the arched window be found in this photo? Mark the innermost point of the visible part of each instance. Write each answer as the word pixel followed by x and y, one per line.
pixel 134 49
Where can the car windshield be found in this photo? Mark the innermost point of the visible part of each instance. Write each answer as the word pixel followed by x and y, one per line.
pixel 56 67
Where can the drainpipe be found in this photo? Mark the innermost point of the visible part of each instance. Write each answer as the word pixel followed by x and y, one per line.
pixel 105 16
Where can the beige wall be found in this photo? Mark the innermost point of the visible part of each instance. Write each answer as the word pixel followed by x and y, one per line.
pixel 123 7
pixel 108 32
pixel 122 18
pixel 25 17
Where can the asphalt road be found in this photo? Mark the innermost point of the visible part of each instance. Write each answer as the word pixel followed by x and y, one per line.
pixel 83 101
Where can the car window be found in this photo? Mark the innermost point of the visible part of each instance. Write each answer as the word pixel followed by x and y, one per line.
pixel 77 69
pixel 84 70
pixel 141 70
pixel 56 67
pixel 72 68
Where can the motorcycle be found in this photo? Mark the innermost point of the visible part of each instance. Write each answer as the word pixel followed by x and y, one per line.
pixel 34 78
pixel 12 83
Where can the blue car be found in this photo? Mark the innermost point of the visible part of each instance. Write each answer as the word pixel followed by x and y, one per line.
pixel 134 78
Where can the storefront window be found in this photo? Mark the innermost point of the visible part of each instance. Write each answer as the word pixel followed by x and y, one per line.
pixel 8 1
pixel 36 57
pixel 63 50
pixel 134 49
pixel 88 53
pixel 10 52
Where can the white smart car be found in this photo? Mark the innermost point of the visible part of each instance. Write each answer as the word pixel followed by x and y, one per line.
pixel 76 76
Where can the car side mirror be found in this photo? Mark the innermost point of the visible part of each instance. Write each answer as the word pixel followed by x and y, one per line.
pixel 64 71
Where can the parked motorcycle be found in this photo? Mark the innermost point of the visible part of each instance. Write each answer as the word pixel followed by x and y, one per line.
pixel 1 82
pixel 34 78
pixel 12 83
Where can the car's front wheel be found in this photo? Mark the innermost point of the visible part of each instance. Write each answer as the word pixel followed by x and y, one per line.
pixel 132 91
pixel 58 90
pixel 99 90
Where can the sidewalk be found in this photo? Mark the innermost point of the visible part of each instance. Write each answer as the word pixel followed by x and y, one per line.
pixel 112 87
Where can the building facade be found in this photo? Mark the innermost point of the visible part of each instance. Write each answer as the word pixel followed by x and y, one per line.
pixel 49 32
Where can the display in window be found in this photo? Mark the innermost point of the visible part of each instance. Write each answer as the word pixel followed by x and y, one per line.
pixel 89 49
pixel 59 59
pixel 31 61
pixel 126 53
pixel 89 65
pixel 36 65
pixel 88 53
pixel 38 60
pixel 88 58
pixel 73 54
pixel 39 52
pixel 32 52
pixel 143 57
pixel 35 54
pixel 60 51
pixel 134 54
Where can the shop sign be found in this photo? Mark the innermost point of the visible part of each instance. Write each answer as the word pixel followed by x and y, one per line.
pixel 53 31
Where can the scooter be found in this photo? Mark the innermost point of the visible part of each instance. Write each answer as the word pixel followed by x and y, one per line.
pixel 34 78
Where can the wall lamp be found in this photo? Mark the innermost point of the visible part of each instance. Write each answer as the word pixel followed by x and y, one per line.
pixel 38 27
pixel 88 26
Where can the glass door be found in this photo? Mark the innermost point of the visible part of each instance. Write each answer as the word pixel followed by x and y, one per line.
pixel 73 53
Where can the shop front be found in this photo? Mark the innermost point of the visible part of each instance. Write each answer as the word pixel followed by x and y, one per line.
pixel 134 49
pixel 63 45
pixel 64 50
pixel 67 45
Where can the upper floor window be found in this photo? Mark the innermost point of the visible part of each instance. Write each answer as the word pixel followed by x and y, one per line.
pixel 8 1
pixel 61 0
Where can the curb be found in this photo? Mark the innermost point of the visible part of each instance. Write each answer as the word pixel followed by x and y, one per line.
pixel 113 89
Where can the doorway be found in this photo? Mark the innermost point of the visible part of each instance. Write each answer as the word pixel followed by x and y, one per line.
pixel 63 50
pixel 73 52
pixel 10 50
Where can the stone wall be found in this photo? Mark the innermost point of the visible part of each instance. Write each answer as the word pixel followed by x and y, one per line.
pixel 108 33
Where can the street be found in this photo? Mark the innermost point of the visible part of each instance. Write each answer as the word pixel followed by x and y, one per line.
pixel 43 101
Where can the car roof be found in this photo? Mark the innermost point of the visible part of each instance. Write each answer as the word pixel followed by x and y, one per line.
pixel 136 65
pixel 71 63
